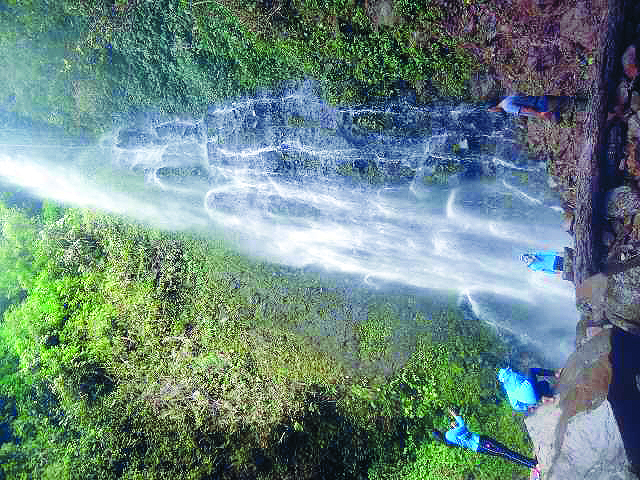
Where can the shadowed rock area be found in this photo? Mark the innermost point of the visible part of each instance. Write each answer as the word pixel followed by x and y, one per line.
pixel 592 429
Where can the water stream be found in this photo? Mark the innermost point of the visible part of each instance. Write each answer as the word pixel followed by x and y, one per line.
pixel 435 198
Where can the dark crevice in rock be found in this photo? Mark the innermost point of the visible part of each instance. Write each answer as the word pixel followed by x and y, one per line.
pixel 624 391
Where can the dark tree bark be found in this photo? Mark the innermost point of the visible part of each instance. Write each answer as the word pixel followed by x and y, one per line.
pixel 589 197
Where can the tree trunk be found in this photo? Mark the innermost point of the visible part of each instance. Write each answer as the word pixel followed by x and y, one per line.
pixel 589 213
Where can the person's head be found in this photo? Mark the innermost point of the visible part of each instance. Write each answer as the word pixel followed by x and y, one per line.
pixel 453 424
pixel 527 258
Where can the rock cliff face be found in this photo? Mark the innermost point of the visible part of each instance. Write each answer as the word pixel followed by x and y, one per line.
pixel 591 431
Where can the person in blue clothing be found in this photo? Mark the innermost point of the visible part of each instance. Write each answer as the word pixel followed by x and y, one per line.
pixel 524 392
pixel 460 436
pixel 546 261
pixel 528 105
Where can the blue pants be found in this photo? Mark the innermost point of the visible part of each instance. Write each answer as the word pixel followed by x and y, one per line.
pixel 542 387
pixel 490 447
pixel 538 103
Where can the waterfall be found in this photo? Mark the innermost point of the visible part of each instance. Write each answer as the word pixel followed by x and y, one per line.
pixel 438 198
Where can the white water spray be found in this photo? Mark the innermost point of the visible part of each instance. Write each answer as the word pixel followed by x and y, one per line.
pixel 378 193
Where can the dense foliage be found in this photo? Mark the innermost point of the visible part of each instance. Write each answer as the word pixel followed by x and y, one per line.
pixel 136 353
pixel 83 65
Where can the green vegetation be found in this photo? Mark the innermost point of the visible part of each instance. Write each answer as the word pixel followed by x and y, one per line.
pixel 357 52
pixel 83 65
pixel 78 64
pixel 374 173
pixel 136 353
pixel 442 172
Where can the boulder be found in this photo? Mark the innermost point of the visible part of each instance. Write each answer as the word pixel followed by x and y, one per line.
pixel 578 436
pixel 631 159
pixel 622 93
pixel 613 298
pixel 381 12
pixel 590 298
pixel 622 300
pixel 622 201
pixel 624 392
pixel 635 228
pixel 633 127
pixel 630 62
pixel 635 101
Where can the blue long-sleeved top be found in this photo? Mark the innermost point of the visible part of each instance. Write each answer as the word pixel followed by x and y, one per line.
pixel 460 435
pixel 544 262
pixel 519 389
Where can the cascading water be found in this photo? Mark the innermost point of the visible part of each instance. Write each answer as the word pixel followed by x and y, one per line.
pixel 437 198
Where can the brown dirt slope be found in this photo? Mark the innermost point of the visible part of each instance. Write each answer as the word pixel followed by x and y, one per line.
pixel 543 47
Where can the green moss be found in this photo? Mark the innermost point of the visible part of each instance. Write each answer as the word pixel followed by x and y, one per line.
pixel 374 122
pixel 192 54
pixel 523 177
pixel 442 172
pixel 374 334
pixel 175 356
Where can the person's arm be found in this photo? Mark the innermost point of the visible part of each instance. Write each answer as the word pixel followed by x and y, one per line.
pixel 456 417
pixel 519 406
pixel 536 265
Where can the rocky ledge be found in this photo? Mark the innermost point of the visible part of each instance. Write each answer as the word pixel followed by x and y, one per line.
pixel 592 429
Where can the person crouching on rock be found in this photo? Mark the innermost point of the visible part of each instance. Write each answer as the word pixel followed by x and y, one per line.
pixel 460 436
pixel 548 261
pixel 532 106
pixel 523 392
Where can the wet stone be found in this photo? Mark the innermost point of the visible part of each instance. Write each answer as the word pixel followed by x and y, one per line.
pixel 630 62
pixel 170 130
pixel 635 101
pixel 622 93
pixel 633 127
pixel 622 201
pixel 134 138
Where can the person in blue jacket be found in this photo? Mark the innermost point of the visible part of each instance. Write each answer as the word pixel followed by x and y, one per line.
pixel 545 261
pixel 528 105
pixel 460 436
pixel 524 392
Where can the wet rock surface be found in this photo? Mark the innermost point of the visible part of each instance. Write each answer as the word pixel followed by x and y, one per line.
pixel 592 430
pixel 580 435
pixel 622 201
pixel 622 300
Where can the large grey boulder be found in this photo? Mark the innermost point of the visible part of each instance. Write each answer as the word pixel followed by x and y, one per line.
pixel 592 448
pixel 579 436
pixel 622 300
pixel 622 201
